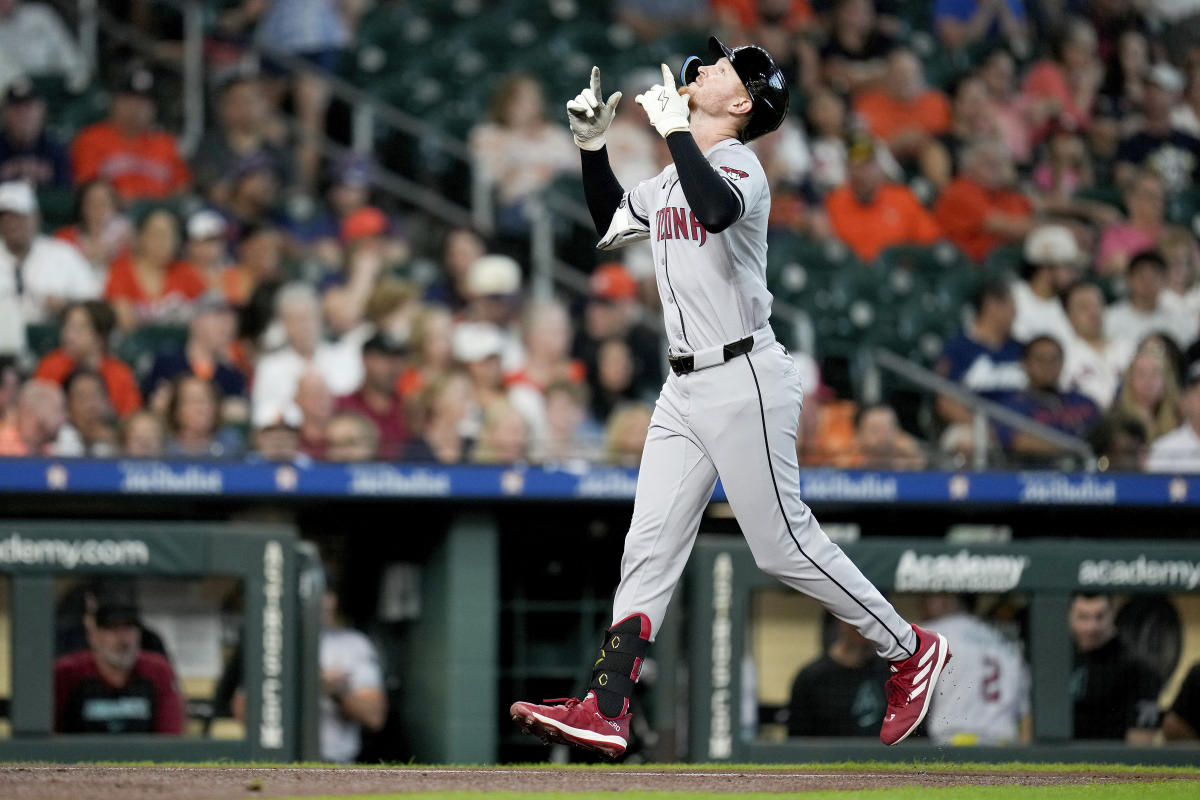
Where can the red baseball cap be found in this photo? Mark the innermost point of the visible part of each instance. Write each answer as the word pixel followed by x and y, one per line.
pixel 369 221
pixel 613 282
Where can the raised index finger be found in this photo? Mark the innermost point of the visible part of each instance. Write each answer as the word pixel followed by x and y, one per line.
pixel 596 84
pixel 668 79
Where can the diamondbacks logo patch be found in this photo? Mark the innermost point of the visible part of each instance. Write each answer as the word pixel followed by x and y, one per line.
pixel 735 174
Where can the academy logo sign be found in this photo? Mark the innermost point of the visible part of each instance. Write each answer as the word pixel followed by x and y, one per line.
pixel 960 572
pixel 1140 571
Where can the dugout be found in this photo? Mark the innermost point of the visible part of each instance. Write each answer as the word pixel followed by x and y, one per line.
pixel 270 582
pixel 747 636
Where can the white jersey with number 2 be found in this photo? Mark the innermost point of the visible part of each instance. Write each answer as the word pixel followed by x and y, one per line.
pixel 984 689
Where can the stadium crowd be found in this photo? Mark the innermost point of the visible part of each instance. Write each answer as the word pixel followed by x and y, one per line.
pixel 253 299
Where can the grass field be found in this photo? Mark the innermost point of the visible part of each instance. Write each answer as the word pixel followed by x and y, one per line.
pixel 1112 791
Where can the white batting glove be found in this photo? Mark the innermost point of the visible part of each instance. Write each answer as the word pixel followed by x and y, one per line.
pixel 590 115
pixel 665 106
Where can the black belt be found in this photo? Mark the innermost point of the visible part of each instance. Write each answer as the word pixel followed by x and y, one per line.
pixel 682 365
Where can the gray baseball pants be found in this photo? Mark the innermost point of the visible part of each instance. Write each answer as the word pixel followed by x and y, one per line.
pixel 738 420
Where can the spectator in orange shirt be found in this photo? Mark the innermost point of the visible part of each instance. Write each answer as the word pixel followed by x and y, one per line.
pixel 83 344
pixel 152 284
pixel 141 162
pixel 870 214
pixel 880 442
pixel 260 260
pixel 34 427
pixel 979 211
pixel 905 112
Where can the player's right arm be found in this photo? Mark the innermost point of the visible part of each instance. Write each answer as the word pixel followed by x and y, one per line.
pixel 589 116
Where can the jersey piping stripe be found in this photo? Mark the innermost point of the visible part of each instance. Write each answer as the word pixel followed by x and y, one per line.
pixel 741 199
pixel 629 204
pixel 778 499
pixel 667 275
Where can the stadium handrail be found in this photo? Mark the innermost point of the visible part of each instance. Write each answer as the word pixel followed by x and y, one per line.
pixel 984 410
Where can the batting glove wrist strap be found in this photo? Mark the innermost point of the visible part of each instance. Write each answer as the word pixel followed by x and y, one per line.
pixel 589 115
pixel 667 109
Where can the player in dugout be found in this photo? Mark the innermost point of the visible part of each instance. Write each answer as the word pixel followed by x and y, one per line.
pixel 730 406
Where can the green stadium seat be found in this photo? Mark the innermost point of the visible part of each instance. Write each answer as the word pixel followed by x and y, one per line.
pixel 41 338
pixel 139 348
pixel 57 206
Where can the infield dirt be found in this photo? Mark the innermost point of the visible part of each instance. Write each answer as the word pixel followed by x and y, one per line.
pixel 47 782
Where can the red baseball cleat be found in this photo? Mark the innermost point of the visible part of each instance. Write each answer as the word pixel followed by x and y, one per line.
pixel 574 722
pixel 910 689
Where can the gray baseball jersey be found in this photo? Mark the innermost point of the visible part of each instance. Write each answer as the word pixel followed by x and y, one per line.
pixel 713 287
pixel 735 418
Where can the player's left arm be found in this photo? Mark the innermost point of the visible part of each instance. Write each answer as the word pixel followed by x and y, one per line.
pixel 714 201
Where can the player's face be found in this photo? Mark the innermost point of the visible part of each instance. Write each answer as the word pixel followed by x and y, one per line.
pixel 1092 622
pixel 716 88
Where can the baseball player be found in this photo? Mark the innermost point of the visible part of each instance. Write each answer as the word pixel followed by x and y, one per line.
pixel 983 697
pixel 731 406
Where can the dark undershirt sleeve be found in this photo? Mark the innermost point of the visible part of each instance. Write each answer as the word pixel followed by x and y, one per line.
pixel 601 188
pixel 714 200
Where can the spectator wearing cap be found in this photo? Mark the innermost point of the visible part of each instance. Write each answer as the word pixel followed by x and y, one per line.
pixel 114 686
pixel 259 261
pixel 253 194
pixel 276 377
pixel 27 152
pixel 870 213
pixel 612 312
pixel 83 343
pixel 245 129
pixel 1093 362
pixel 478 346
pixel 1146 202
pixel 350 177
pixel 348 291
pixel 461 248
pixel 904 112
pixel 1050 263
pixel 494 292
pixel 275 436
pixel 979 210
pixel 1171 153
pixel 207 248
pixel 450 420
pixel 1068 411
pixel 141 162
pixel 1179 450
pixel 378 398
pixel 152 285
pixel 34 38
pixel 1143 311
pixel 100 231
pixel 205 354
pixel 39 274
